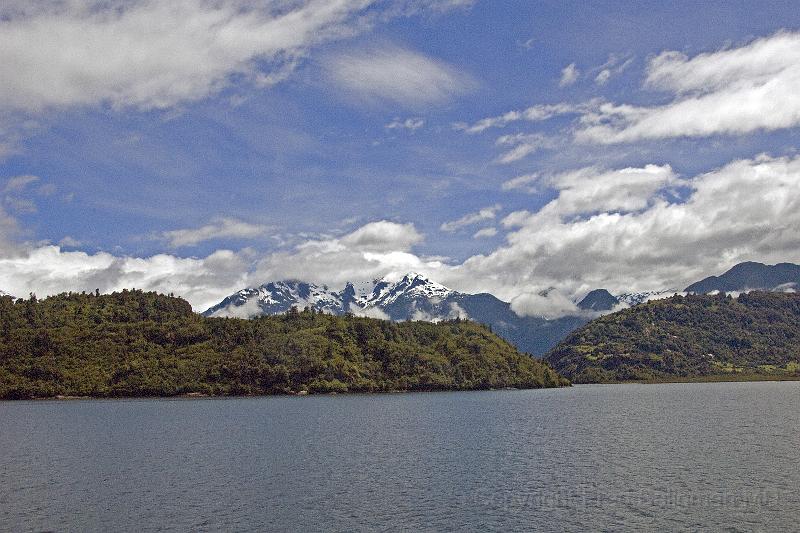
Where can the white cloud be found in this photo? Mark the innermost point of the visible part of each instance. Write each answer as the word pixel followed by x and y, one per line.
pixel 614 66
pixel 525 182
pixel 536 113
pixel 410 124
pixel 49 270
pixel 69 242
pixel 396 75
pixel 569 75
pixel 18 191
pixel 592 190
pixel 485 232
pixel 19 183
pixel 734 91
pixel 594 235
pixel 548 304
pixel 454 311
pixel 151 54
pixel 157 54
pixel 522 145
pixel 619 229
pixel 248 309
pixel 371 312
pixel 219 228
pixel 372 251
pixel 487 213
pixel 382 236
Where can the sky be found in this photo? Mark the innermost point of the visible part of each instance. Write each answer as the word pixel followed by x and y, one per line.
pixel 198 147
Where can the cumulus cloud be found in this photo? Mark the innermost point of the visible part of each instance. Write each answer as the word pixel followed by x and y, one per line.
pixel 219 228
pixel 569 75
pixel 745 210
pixel 592 190
pixel 49 270
pixel 487 213
pixel 396 75
pixel 371 251
pixel 621 229
pixel 733 91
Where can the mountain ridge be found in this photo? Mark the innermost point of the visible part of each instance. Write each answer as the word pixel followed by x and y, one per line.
pixel 414 297
pixel 751 275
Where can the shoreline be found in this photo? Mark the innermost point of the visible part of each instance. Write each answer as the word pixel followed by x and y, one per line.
pixel 748 378
pixel 715 378
pixel 300 394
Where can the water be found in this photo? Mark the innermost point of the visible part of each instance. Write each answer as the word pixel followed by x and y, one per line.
pixel 719 456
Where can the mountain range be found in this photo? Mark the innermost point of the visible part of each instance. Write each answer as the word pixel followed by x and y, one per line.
pixel 415 297
pixel 749 276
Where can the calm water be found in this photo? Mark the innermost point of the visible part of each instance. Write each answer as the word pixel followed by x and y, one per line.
pixel 685 456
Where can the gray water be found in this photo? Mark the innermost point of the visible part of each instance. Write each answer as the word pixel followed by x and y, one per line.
pixel 720 456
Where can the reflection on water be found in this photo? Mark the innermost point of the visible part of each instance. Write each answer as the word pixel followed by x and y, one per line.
pixel 610 457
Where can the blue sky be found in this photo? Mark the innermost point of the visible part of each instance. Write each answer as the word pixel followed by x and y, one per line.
pixel 239 143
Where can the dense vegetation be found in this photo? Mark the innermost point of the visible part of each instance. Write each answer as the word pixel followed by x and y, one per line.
pixel 145 344
pixel 756 335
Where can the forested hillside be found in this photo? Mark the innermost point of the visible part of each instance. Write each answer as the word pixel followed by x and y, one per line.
pixel 755 335
pixel 145 344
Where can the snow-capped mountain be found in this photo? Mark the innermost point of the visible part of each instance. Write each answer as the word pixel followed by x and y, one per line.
pixel 278 297
pixel 415 297
pixel 411 286
pixel 636 298
pixel 411 297
pixel 403 297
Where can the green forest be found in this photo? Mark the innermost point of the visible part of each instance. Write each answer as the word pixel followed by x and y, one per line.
pixel 135 343
pixel 704 337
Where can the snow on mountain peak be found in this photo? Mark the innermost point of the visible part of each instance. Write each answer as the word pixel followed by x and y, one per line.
pixel 411 285
pixel 636 298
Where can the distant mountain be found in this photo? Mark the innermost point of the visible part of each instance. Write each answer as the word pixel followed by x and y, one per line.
pixel 751 276
pixel 598 300
pixel 635 298
pixel 412 297
pixel 278 297
pixel 687 337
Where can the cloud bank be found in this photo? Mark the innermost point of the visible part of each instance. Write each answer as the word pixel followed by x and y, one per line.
pixel 620 229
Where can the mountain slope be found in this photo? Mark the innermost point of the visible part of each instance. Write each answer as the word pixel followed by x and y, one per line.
pixel 751 276
pixel 687 337
pixel 145 344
